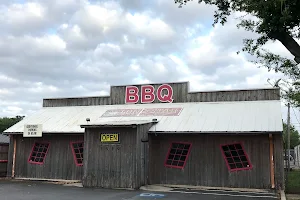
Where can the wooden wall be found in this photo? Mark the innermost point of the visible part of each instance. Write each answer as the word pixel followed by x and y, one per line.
pixel 206 165
pixel 122 165
pixel 10 155
pixel 59 162
pixel 181 94
pixel 109 165
pixel 142 154
pixel 4 147
pixel 278 161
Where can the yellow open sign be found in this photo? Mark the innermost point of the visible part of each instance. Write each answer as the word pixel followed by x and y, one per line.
pixel 109 137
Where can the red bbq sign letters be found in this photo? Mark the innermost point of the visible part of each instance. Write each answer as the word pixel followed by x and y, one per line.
pixel 164 94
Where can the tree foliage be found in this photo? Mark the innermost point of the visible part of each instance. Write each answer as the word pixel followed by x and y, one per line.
pixel 294 136
pixel 271 20
pixel 7 122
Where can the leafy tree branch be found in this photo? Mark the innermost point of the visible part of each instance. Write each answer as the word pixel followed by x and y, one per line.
pixel 272 20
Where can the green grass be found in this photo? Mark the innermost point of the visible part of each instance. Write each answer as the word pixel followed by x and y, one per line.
pixel 293 184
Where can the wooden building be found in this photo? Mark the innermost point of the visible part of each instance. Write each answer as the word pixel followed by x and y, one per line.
pixel 155 134
pixel 4 145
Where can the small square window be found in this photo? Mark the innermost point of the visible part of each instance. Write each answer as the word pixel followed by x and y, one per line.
pixel 77 150
pixel 235 157
pixel 178 155
pixel 39 152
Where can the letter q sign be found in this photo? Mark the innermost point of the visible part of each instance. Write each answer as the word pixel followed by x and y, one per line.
pixel 148 94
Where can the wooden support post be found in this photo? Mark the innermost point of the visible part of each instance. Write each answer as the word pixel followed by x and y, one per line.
pixel 14 156
pixel 272 174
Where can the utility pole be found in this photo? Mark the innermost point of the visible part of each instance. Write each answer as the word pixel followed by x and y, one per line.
pixel 288 137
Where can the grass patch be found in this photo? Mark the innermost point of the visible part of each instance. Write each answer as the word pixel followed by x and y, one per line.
pixel 293 182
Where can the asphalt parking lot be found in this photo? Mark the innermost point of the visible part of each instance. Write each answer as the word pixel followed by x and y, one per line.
pixel 24 190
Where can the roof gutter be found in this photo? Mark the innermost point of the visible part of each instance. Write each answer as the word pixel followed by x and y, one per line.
pixel 218 132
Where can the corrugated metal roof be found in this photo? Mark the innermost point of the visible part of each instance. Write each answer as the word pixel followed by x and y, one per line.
pixel 238 116
pixel 4 139
pixel 118 123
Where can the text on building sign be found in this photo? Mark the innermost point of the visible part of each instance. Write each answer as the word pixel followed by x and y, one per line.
pixel 145 112
pixel 32 129
pixel 164 93
pixel 109 137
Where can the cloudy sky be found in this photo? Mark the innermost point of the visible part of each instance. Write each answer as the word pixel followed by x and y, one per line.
pixel 54 48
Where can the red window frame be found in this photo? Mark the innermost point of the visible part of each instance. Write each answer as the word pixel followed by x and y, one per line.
pixel 43 154
pixel 80 154
pixel 239 161
pixel 180 155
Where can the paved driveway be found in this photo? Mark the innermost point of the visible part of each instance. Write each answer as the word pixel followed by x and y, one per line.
pixel 20 190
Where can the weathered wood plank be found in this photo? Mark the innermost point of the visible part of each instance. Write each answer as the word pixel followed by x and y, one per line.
pixel 110 165
pixel 10 156
pixel 278 162
pixel 142 154
pixel 181 94
pixel 59 162
pixel 206 165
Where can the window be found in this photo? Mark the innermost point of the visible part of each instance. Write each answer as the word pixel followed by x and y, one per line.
pixel 235 157
pixel 39 152
pixel 77 149
pixel 178 154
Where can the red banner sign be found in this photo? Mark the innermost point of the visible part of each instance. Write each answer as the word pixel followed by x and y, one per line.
pixel 148 94
pixel 146 112
pixel 160 112
pixel 122 113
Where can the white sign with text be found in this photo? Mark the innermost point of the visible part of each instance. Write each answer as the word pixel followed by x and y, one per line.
pixel 33 130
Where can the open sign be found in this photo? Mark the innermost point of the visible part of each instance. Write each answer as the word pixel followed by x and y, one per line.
pixel 109 137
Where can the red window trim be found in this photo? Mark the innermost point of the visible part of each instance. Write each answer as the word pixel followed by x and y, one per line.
pixel 74 154
pixel 246 155
pixel 187 155
pixel 39 163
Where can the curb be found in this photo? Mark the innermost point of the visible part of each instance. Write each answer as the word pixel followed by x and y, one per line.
pixel 167 187
pixel 282 195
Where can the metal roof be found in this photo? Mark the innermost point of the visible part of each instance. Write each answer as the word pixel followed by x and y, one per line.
pixel 4 139
pixel 232 116
pixel 118 123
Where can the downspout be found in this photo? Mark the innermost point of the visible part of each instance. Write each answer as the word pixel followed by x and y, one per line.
pixel 272 161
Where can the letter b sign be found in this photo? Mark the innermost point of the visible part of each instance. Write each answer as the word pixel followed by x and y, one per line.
pixel 148 94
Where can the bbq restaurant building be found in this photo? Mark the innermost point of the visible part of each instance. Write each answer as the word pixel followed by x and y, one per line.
pixel 154 134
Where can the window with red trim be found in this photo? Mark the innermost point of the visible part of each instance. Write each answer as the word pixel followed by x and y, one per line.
pixel 77 149
pixel 39 152
pixel 178 154
pixel 235 157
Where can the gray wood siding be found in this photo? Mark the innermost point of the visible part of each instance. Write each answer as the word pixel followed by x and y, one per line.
pixel 206 166
pixel 235 95
pixel 142 154
pixel 180 91
pixel 110 165
pixel 3 156
pixel 10 155
pixel 278 161
pixel 59 162
pixel 181 94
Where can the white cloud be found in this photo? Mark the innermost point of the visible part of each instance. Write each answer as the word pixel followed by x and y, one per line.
pixel 144 25
pixel 19 14
pixel 80 47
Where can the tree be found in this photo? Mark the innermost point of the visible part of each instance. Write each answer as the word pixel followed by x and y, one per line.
pixel 6 122
pixel 274 20
pixel 294 136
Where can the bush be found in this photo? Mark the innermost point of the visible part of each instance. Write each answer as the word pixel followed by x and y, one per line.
pixel 293 182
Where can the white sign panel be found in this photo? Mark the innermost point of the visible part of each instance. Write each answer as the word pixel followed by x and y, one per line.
pixel 33 130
